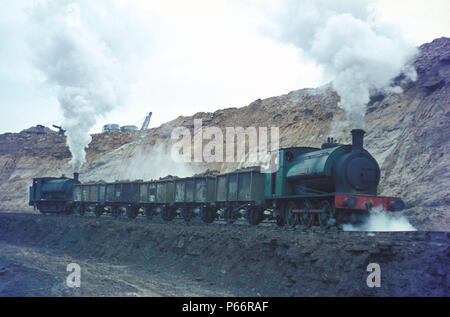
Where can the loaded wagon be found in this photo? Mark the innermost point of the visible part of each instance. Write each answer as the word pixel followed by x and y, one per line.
pixel 241 193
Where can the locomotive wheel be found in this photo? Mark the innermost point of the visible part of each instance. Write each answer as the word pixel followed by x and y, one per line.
pixel 326 215
pixel 98 210
pixel 290 217
pixel 187 214
pixel 208 214
pixel 168 213
pixel 255 215
pixel 132 212
pixel 41 209
pixel 279 218
pixel 280 221
pixel 306 218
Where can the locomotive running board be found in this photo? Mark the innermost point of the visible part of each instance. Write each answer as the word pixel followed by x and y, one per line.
pixel 299 211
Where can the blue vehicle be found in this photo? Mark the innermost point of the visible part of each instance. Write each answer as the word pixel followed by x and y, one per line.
pixel 53 194
pixel 111 127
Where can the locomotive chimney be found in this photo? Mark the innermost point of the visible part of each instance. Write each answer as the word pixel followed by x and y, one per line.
pixel 357 139
pixel 75 176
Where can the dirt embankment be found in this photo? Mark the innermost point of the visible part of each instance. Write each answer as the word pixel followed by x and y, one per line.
pixel 216 259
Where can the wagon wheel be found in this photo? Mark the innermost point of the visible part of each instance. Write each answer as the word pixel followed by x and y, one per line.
pixel 289 216
pixel 68 209
pixel 81 210
pixel 132 212
pixel 116 211
pixel 148 211
pixel 187 214
pixel 168 213
pixel 306 218
pixel 212 212
pixel 326 215
pixel 208 214
pixel 228 215
pixel 98 210
pixel 255 215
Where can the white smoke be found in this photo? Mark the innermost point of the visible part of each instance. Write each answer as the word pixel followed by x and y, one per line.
pixel 83 61
pixel 381 220
pixel 153 163
pixel 356 50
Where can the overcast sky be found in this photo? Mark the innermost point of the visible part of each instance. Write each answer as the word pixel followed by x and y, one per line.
pixel 192 56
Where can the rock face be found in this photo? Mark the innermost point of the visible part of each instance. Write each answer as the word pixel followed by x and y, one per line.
pixel 407 133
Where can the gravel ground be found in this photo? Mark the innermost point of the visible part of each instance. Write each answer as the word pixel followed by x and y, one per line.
pixel 31 271
pixel 140 258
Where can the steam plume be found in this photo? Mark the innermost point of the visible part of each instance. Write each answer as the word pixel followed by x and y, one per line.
pixel 381 220
pixel 81 63
pixel 357 52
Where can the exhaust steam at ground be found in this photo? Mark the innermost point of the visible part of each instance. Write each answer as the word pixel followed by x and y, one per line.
pixel 381 220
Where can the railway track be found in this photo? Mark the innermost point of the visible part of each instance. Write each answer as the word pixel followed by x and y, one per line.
pixel 142 220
